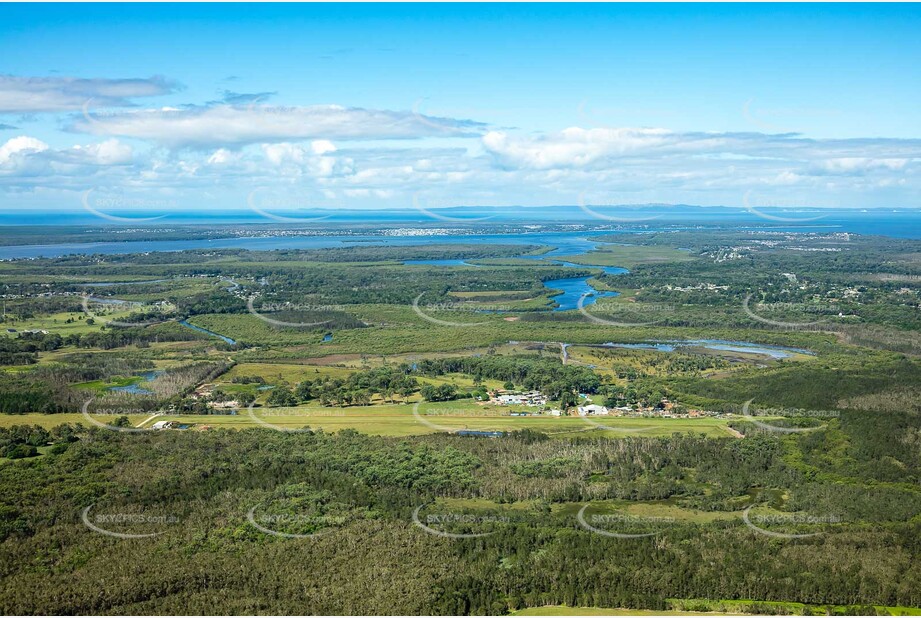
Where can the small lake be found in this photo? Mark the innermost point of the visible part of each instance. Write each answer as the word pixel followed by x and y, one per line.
pixel 135 388
pixel 106 284
pixel 111 301
pixel 207 332
pixel 438 263
pixel 774 351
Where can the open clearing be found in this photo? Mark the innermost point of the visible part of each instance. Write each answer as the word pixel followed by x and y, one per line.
pixel 559 610
pixel 766 607
pixel 628 256
pixel 398 420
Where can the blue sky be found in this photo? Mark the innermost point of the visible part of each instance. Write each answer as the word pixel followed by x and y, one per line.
pixel 373 106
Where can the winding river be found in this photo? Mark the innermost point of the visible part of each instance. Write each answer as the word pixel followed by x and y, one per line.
pixel 207 332
pixel 570 289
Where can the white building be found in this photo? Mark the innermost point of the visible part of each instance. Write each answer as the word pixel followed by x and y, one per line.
pixel 168 425
pixel 532 398
pixel 592 409
pixel 233 404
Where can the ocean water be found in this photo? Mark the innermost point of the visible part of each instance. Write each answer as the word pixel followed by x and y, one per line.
pixel 896 220
pixel 904 224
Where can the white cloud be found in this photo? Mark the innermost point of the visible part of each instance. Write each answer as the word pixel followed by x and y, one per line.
pixel 61 94
pixel 109 152
pixel 659 156
pixel 848 165
pixel 233 126
pixel 322 146
pixel 610 166
pixel 279 154
pixel 27 163
pixel 572 147
pixel 221 156
pixel 21 144
pixel 296 160
pixel 365 193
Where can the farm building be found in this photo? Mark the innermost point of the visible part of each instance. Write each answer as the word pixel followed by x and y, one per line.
pixel 592 409
pixel 507 398
pixel 169 425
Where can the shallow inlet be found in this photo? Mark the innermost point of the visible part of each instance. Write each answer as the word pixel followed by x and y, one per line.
pixel 774 351
pixel 207 332
pixel 573 289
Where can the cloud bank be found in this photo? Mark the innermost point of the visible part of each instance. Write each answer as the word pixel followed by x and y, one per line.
pixel 30 95
pixel 364 157
pixel 235 125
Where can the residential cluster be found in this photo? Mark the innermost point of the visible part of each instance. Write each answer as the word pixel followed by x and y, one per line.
pixel 536 399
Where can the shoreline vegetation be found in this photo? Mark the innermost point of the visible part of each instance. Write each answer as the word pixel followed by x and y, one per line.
pixel 680 607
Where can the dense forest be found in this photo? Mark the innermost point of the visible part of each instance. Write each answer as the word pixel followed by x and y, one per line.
pixel 356 494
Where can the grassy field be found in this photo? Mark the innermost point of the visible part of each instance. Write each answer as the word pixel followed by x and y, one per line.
pixel 650 362
pixel 721 608
pixel 628 256
pixel 560 610
pixel 292 373
pixel 399 330
pixel 660 509
pixel 398 420
pixel 666 510
pixel 289 374
pixel 69 323
pixel 52 420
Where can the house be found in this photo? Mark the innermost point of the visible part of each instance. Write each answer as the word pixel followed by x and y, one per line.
pixel 480 434
pixel 508 398
pixel 233 404
pixel 592 409
pixel 555 412
pixel 169 425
